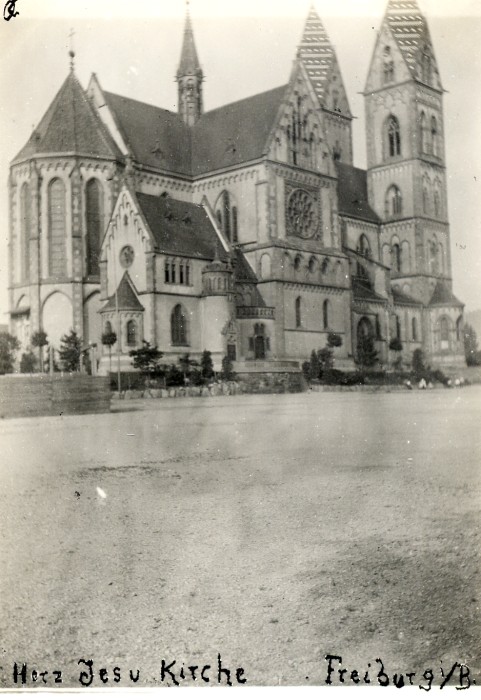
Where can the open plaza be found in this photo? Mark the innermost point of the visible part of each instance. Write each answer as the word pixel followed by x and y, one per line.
pixel 271 530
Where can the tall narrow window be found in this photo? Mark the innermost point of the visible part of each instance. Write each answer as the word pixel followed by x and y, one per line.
pixel 325 314
pixel 396 257
pixel 56 229
pixel 393 204
pixel 167 271
pixel 107 328
pixel 437 209
pixel 181 273
pixel 444 333
pixel 398 328
pixel 25 221
pixel 434 136
pixel 94 203
pixel 178 326
pixel 131 333
pixel 298 312
pixel 425 200
pixel 227 216
pixel 414 324
pixel 423 133
pixel 394 137
pixel 187 273
pixel 363 247
pixel 173 269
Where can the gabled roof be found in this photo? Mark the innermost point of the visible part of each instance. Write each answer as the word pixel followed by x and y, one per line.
pixel 71 125
pixel 410 30
pixel 180 228
pixel 189 61
pixel 363 292
pixel 160 139
pixel 126 297
pixel 155 136
pixel 235 133
pixel 443 296
pixel 352 193
pixel 402 298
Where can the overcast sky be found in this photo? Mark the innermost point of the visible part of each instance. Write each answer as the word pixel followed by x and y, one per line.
pixel 244 48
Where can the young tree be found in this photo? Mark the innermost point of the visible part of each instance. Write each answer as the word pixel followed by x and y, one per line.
pixel 109 338
pixel 39 340
pixel 206 365
pixel 147 360
pixel 227 373
pixel 186 364
pixel 28 363
pixel 366 352
pixel 8 346
pixel 417 363
pixel 70 351
pixel 314 366
pixel 326 361
pixel 471 352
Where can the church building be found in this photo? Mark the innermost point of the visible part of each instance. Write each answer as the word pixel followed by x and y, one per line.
pixel 245 230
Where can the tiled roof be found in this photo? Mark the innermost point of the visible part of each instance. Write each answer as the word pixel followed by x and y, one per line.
pixel 443 296
pixel 362 292
pixel 126 297
pixel 316 53
pixel 243 271
pixel 410 30
pixel 352 193
pixel 235 133
pixel 71 125
pixel 155 136
pixel 402 298
pixel 180 228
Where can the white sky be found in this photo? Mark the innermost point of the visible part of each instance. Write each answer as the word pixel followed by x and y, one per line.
pixel 244 47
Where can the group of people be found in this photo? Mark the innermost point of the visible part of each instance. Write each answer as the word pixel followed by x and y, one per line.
pixel 423 384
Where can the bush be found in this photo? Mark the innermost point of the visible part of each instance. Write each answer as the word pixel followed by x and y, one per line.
pixel 174 376
pixel 334 340
pixel 396 345
pixel 8 346
pixel 70 351
pixel 339 378
pixel 28 363
pixel 227 373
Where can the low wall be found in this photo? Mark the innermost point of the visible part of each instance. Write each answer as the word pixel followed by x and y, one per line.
pixel 42 395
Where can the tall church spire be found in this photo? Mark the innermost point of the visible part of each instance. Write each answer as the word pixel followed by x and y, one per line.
pixel 410 30
pixel 189 77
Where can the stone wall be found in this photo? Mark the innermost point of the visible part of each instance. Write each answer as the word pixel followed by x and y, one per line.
pixel 42 395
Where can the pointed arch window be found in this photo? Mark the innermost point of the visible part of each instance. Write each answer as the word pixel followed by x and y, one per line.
pixel 444 333
pixel 178 326
pixel 363 247
pixel 56 229
pixel 425 199
pixel 107 328
pixel 423 133
pixel 437 204
pixel 298 309
pixel 25 223
pixel 326 313
pixel 393 137
pixel 95 224
pixel 394 203
pixel 396 257
pixel 131 333
pixel 227 216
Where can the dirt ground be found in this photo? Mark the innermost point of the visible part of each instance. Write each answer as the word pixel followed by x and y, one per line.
pixel 270 529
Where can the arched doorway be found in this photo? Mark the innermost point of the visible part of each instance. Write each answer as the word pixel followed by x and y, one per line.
pixel 365 335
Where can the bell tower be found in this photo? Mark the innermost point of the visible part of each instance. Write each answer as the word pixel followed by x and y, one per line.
pixel 189 77
pixel 405 151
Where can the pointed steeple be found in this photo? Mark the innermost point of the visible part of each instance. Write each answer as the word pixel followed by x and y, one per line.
pixel 410 30
pixel 316 53
pixel 70 125
pixel 189 77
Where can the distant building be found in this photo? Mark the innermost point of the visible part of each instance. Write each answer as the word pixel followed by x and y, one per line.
pixel 245 230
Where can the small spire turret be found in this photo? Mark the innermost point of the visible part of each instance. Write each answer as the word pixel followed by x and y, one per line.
pixel 189 76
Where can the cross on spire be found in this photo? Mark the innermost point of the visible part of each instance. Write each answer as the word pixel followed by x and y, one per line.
pixel 71 53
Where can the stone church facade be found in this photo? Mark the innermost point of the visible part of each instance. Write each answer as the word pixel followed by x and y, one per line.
pixel 245 230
